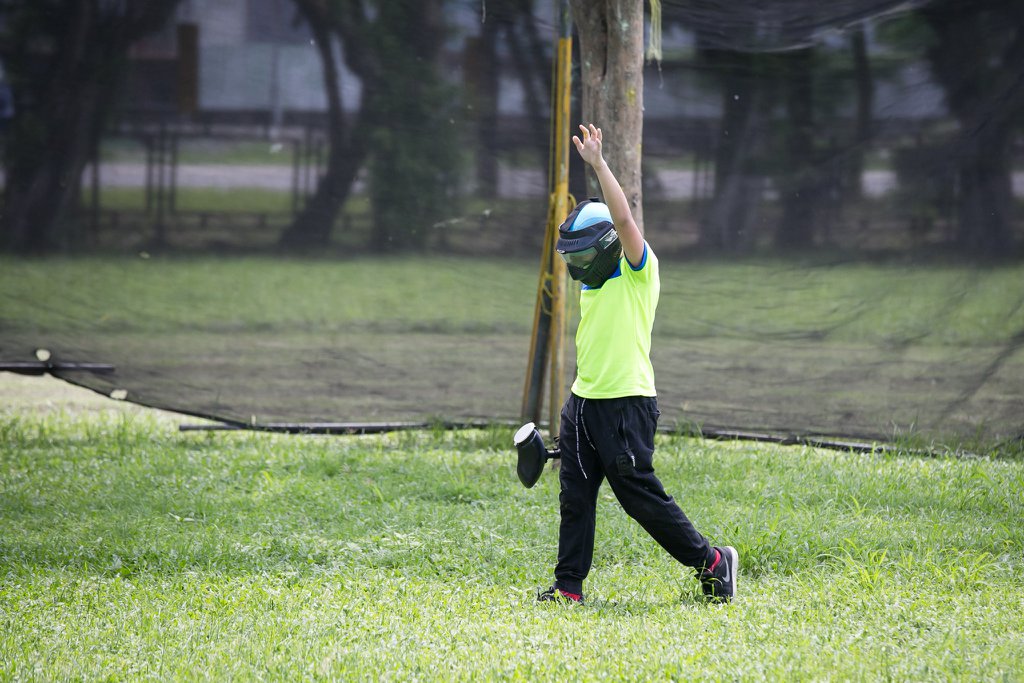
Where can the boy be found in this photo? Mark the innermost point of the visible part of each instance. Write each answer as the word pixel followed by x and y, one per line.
pixel 609 420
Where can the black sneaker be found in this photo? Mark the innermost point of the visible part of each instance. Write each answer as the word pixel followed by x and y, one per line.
pixel 719 585
pixel 558 595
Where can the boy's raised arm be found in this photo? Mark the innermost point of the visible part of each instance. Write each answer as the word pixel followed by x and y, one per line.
pixel 629 233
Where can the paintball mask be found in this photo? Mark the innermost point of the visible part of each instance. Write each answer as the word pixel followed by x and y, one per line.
pixel 589 244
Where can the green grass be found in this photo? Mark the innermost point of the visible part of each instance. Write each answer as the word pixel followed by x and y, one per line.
pixel 129 551
pixel 200 199
pixel 895 303
pixel 941 305
pixel 208 151
pixel 168 294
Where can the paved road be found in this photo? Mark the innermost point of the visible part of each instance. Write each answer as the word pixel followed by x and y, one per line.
pixel 680 184
pixel 513 183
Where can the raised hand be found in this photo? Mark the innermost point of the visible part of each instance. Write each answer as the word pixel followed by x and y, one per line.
pixel 590 146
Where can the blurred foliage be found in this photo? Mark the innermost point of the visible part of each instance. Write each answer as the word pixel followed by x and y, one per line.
pixel 414 163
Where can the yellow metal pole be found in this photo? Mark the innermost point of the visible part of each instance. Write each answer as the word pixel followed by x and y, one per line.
pixel 560 204
pixel 547 342
pixel 537 366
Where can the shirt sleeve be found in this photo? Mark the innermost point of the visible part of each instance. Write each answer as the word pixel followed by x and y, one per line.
pixel 648 268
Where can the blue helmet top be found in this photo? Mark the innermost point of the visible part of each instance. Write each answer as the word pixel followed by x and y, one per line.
pixel 594 212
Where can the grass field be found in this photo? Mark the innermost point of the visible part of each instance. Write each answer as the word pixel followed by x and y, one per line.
pixel 130 551
pixel 867 350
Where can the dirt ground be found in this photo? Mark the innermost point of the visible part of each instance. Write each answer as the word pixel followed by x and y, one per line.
pixel 27 395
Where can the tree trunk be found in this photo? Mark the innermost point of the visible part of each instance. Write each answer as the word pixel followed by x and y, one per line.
pixel 985 194
pixel 534 74
pixel 43 187
pixel 729 222
pixel 611 34
pixel 415 156
pixel 483 76
pixel 800 186
pixel 62 98
pixel 403 130
pixel 865 111
pixel 347 152
pixel 978 59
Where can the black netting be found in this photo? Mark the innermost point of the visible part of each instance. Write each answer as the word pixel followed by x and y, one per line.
pixel 835 191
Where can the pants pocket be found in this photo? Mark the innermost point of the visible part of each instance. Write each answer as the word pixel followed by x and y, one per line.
pixel 625 463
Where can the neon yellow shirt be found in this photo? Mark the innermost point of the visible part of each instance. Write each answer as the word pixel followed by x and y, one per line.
pixel 613 340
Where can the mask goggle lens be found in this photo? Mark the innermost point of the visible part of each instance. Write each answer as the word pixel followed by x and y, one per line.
pixel 580 259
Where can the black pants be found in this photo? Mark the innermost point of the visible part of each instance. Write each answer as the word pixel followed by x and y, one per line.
pixel 614 439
